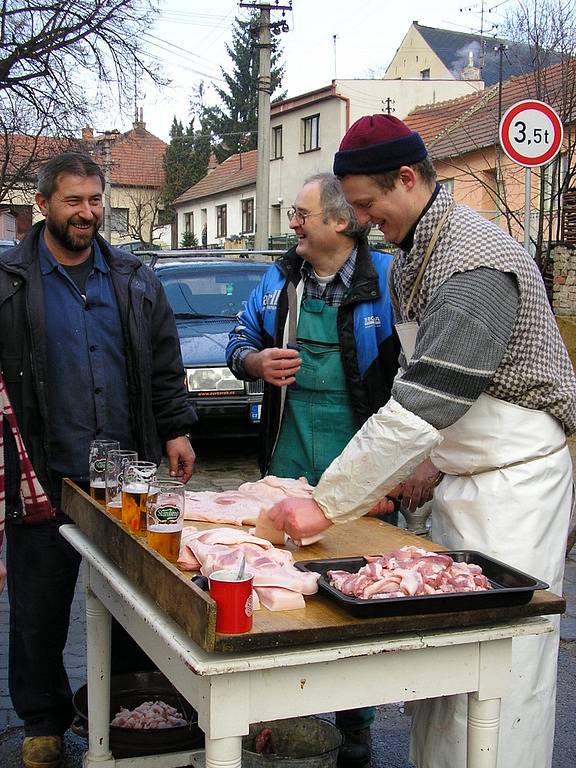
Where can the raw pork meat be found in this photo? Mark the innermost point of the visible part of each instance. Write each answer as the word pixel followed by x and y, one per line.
pixel 277 583
pixel 408 572
pixel 149 715
pixel 243 506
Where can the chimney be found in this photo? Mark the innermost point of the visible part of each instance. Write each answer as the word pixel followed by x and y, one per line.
pixel 212 162
pixel 139 122
pixel 470 72
pixel 87 133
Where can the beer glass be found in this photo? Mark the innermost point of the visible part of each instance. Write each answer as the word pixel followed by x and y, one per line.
pixel 137 478
pixel 115 464
pixel 97 461
pixel 165 517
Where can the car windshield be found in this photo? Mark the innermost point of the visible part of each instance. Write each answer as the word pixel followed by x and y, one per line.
pixel 210 292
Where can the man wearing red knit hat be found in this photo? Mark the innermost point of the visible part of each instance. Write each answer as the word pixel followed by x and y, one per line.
pixel 486 394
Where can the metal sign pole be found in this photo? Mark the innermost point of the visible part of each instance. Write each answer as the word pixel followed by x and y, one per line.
pixel 527 207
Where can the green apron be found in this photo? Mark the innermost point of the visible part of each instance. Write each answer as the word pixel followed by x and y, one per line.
pixel 318 420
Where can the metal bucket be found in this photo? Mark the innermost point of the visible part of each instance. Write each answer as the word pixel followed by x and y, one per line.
pixel 299 742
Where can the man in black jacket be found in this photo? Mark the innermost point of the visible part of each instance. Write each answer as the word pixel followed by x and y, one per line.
pixel 89 349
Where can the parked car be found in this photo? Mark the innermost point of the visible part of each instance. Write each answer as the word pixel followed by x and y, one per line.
pixel 206 293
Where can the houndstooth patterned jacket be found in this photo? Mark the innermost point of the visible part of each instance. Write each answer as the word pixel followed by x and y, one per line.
pixel 535 371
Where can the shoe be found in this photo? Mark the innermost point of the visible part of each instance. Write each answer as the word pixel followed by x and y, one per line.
pixel 355 751
pixel 42 752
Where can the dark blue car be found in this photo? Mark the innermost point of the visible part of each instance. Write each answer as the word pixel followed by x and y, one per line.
pixel 206 294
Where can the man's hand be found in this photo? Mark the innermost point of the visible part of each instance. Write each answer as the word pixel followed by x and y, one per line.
pixel 2 575
pixel 276 366
pixel 418 488
pixel 386 505
pixel 300 518
pixel 181 458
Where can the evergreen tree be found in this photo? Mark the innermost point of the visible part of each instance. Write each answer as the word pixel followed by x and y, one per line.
pixel 186 157
pixel 235 123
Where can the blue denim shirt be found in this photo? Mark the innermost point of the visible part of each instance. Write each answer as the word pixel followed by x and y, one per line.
pixel 87 378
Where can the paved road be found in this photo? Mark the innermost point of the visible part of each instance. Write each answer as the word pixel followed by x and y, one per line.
pixel 218 470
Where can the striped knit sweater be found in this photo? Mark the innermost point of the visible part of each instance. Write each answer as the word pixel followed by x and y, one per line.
pixel 485 324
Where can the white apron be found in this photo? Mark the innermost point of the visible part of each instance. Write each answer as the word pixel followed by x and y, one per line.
pixel 518 514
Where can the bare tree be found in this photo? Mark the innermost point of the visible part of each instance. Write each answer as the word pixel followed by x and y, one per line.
pixel 145 206
pixel 59 64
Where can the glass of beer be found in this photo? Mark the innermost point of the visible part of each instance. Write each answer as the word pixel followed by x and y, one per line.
pixel 137 477
pixel 115 464
pixel 97 462
pixel 165 518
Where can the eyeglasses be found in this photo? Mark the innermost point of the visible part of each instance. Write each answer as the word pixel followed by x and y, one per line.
pixel 300 217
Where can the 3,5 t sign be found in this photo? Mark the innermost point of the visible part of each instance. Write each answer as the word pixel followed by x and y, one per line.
pixel 531 133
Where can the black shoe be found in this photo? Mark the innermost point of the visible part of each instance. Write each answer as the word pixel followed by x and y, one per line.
pixel 355 751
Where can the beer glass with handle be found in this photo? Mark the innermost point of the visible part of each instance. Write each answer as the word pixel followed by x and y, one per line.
pixel 98 452
pixel 137 478
pixel 115 464
pixel 165 518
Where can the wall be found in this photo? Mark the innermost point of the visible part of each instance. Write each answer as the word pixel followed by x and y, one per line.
pixel 414 55
pixel 564 291
pixel 231 198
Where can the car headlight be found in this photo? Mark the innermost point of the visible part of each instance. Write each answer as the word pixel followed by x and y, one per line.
pixel 212 380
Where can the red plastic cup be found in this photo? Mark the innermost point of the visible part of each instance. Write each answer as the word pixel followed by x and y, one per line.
pixel 233 599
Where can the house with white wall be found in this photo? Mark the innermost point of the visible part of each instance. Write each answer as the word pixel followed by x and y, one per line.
pixel 220 207
pixel 305 133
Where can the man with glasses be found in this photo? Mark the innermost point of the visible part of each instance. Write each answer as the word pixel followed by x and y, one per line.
pixel 319 330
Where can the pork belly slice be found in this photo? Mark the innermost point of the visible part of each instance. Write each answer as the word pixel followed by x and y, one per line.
pixel 279 599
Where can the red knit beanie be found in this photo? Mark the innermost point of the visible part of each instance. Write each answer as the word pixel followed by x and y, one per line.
pixel 378 143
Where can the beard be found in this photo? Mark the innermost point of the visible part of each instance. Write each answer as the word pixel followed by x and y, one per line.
pixel 72 240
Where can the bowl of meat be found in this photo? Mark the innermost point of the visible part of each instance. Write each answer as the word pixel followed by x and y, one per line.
pixel 147 716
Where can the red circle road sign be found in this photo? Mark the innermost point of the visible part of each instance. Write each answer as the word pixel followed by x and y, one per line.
pixel 531 133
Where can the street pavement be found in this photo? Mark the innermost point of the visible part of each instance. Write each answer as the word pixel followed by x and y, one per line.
pixel 216 470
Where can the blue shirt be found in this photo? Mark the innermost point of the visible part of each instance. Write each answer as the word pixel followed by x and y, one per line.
pixel 87 387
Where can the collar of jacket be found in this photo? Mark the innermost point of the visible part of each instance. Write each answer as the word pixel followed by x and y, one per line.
pixel 365 284
pixel 22 256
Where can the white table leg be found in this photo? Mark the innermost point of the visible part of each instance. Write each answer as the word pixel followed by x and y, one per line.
pixel 98 625
pixel 224 753
pixel 483 729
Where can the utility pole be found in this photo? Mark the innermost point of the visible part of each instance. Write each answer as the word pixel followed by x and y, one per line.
pixel 264 90
pixel 109 137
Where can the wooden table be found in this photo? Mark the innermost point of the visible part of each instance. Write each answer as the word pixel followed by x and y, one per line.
pixel 291 663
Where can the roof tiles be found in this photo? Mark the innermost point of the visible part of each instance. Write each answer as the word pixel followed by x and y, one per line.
pixel 236 171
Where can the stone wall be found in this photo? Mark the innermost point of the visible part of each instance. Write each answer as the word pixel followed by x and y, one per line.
pixel 564 290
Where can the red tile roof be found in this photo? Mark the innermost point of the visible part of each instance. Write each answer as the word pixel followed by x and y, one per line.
pixel 137 158
pixel 236 171
pixel 452 128
pixel 137 155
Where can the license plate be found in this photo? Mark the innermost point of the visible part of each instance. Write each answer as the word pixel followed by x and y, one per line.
pixel 255 411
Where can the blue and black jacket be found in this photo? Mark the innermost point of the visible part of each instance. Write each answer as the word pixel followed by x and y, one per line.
pixel 369 345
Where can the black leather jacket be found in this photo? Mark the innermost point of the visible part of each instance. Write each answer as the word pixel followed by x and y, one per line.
pixel 158 399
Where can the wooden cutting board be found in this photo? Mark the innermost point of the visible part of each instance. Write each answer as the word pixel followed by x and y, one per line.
pixel 322 620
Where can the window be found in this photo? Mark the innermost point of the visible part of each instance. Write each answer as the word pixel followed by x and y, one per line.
pixel 277 142
pixel 189 223
pixel 310 133
pixel 425 74
pixel 119 219
pixel 221 229
pixel 248 215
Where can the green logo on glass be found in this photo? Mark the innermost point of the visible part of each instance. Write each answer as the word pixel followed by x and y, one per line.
pixel 100 466
pixel 167 514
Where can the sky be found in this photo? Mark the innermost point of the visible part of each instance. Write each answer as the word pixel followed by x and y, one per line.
pixel 326 39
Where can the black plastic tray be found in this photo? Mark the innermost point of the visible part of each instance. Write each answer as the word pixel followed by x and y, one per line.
pixel 510 587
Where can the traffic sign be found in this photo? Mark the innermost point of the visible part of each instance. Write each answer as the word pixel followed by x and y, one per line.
pixel 531 133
